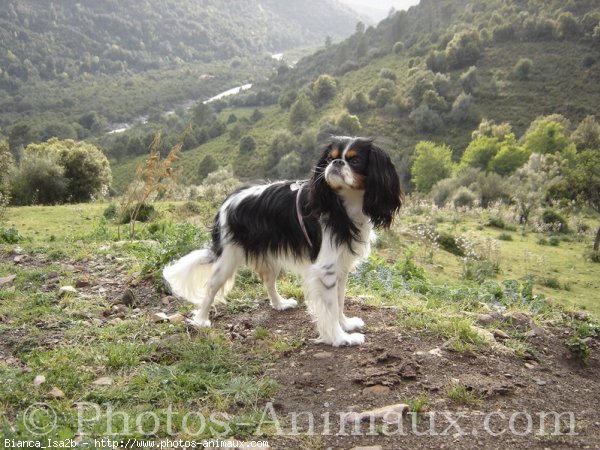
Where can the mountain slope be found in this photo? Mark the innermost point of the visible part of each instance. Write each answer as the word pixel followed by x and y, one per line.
pixel 432 73
pixel 70 37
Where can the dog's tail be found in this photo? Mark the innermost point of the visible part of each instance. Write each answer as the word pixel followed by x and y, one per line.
pixel 188 277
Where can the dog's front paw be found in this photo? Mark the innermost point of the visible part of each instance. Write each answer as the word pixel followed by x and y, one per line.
pixel 352 323
pixel 197 322
pixel 286 303
pixel 349 339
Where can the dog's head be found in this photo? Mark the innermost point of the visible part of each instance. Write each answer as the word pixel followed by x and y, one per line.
pixel 357 165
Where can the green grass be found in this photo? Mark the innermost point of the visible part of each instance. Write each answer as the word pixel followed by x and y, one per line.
pixel 160 366
pixel 460 394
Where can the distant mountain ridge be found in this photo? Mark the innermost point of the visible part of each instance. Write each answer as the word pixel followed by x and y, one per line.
pixel 48 40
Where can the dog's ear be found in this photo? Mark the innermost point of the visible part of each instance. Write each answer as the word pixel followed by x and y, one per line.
pixel 383 196
pixel 321 197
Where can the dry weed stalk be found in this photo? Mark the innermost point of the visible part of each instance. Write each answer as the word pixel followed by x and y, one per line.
pixel 154 178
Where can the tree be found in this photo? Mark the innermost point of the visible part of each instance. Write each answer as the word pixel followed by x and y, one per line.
pixel 324 88
pixel 432 164
pixel 283 143
pixel 40 179
pixel 356 102
pixel 582 182
pixel 568 26
pixel 85 167
pixel 522 69
pixel 349 123
pixel 531 182
pixel 463 49
pixel 301 111
pixel 425 119
pixel 480 152
pixel 510 156
pixel 548 137
pixel 7 162
pixel 206 166
pixel 202 112
pixel 462 108
pixel 587 134
pixel 247 144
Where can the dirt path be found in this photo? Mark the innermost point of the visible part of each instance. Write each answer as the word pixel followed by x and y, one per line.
pixel 509 394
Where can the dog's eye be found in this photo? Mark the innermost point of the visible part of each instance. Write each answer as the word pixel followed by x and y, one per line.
pixel 354 161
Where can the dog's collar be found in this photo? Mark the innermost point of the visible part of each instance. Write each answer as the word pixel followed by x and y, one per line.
pixel 297 186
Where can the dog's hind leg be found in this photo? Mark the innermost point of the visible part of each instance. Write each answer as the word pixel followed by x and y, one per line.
pixel 269 277
pixel 223 272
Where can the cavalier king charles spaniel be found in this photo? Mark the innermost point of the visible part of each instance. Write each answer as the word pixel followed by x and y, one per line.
pixel 319 228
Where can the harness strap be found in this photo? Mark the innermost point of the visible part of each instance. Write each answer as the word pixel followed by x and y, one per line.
pixel 299 214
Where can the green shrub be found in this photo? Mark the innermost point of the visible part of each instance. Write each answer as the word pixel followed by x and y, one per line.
pixel 190 208
pixel 496 222
pixel 551 217
pixel 145 214
pixel 579 348
pixel 10 236
pixel 542 241
pixel 505 237
pixel 247 144
pixel 550 282
pixel 39 180
pixel 387 74
pixel 463 197
pixel 522 69
pixel 425 119
pixel 398 47
pixel 554 241
pixel 110 212
pixel 448 242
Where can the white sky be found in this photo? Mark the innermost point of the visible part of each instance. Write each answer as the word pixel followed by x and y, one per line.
pixel 377 10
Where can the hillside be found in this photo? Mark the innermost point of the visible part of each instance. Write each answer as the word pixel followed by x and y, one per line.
pixel 70 37
pixel 430 73
pixel 128 58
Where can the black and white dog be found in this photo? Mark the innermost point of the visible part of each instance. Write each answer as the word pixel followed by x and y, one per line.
pixel 318 229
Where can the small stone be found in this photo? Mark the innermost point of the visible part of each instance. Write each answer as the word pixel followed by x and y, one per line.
pixel 377 389
pixel 541 382
pixel 129 298
pixel 103 381
pixel 484 319
pixel 500 334
pixel 535 332
pixel 529 366
pixel 385 413
pixel 176 318
pixel 370 447
pixel 5 281
pixel 115 321
pixel 331 389
pixel 517 318
pixel 166 300
pixel 486 335
pixel 323 355
pixel 306 374
pixel 435 352
pixel 56 394
pixel 19 258
pixel 160 317
pixel 39 380
pixel 82 283
pixel 66 290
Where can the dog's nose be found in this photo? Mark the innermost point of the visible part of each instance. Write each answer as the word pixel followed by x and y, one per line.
pixel 338 162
